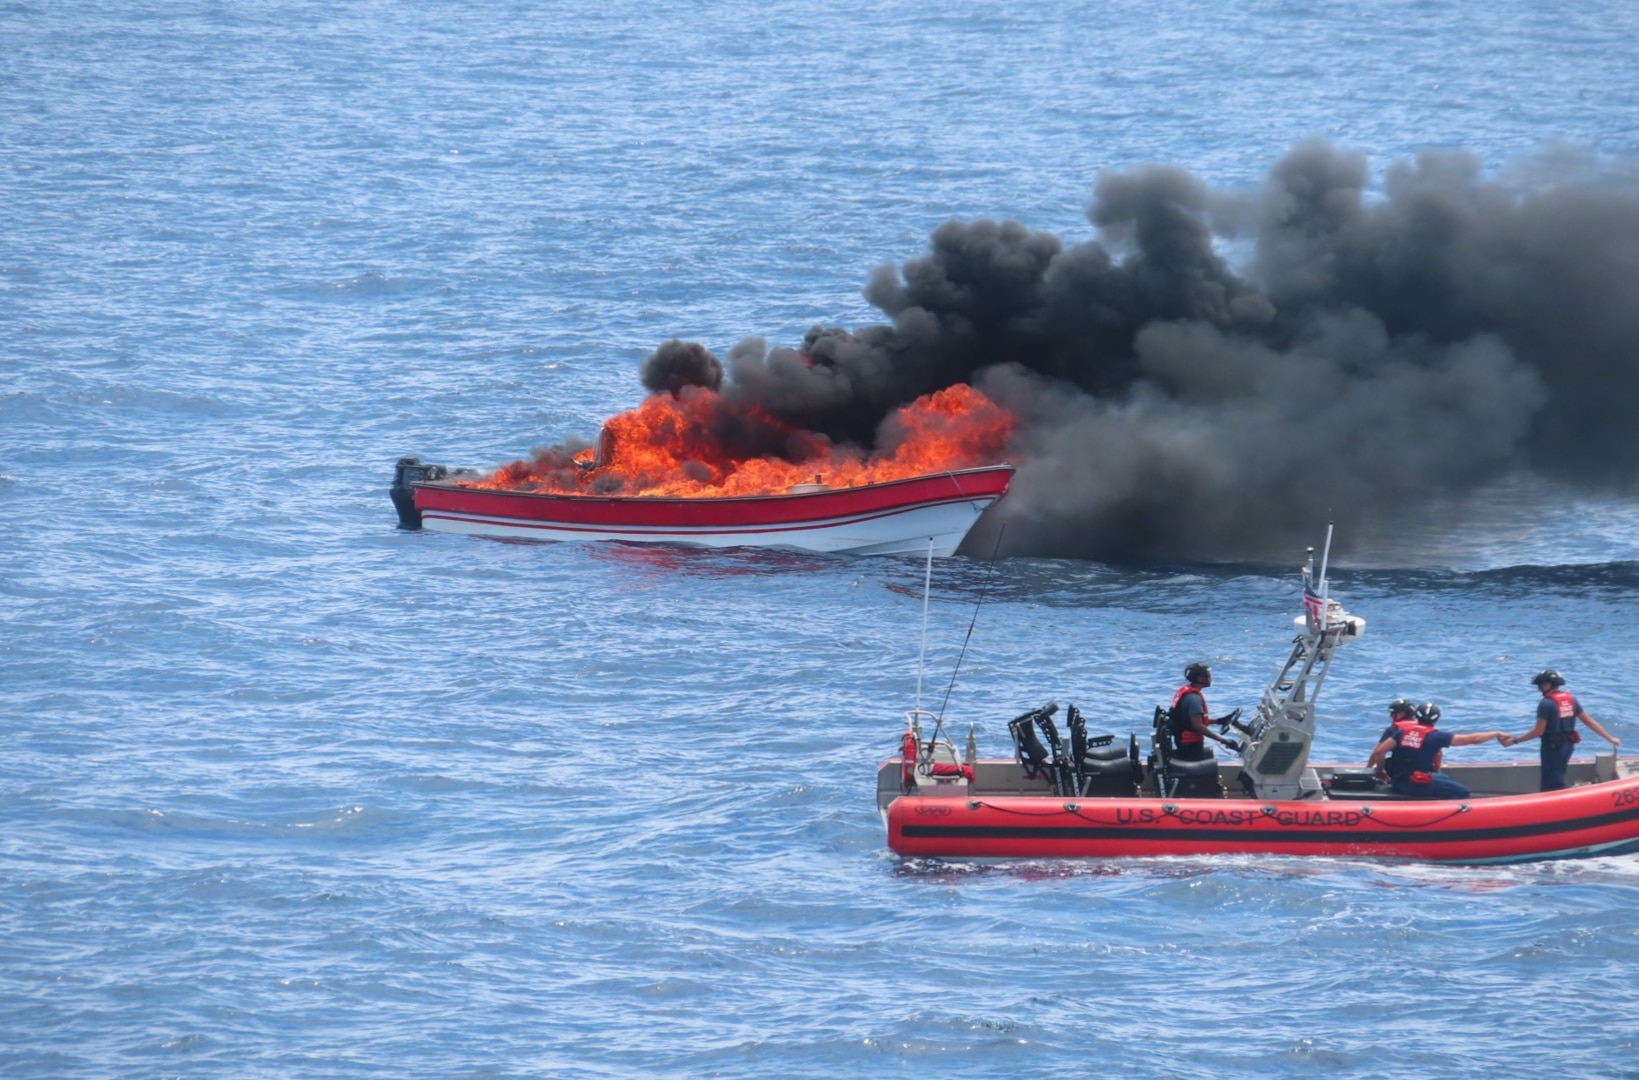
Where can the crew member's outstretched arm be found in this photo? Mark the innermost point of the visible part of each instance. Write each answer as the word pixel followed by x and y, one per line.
pixel 1591 722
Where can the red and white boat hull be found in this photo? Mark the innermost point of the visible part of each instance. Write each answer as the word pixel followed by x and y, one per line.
pixel 898 517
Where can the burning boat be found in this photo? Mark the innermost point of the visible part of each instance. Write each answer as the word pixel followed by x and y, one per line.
pixel 913 515
pixel 1084 796
pixel 664 473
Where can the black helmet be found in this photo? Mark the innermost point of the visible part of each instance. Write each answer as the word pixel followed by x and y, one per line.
pixel 1402 705
pixel 1429 713
pixel 1198 672
pixel 1551 677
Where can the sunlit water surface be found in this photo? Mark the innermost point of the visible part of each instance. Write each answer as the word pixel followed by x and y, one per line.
pixel 288 792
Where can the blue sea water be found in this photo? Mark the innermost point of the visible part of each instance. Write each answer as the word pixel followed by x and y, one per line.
pixel 288 792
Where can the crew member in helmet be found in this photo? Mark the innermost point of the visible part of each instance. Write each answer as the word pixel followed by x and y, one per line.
pixel 1557 714
pixel 1188 718
pixel 1404 715
pixel 1429 713
pixel 1410 751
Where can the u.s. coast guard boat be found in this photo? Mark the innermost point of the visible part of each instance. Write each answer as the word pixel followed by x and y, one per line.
pixel 1075 795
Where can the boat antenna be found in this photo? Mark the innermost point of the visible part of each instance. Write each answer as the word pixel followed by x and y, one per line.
pixel 927 587
pixel 985 588
pixel 1325 554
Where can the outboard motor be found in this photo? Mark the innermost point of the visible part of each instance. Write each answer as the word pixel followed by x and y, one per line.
pixel 411 471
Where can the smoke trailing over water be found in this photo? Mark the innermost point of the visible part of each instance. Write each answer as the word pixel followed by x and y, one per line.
pixel 1376 351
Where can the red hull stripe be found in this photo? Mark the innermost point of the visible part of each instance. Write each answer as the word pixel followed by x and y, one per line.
pixel 1432 835
pixel 650 533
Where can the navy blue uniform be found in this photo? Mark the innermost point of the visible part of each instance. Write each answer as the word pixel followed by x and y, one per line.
pixel 1415 756
pixel 1558 712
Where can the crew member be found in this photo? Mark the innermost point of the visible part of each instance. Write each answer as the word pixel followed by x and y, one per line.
pixel 1409 754
pixel 1187 719
pixel 1429 713
pixel 1557 714
pixel 1403 714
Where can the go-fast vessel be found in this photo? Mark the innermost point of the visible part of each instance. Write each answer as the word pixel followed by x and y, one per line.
pixel 906 516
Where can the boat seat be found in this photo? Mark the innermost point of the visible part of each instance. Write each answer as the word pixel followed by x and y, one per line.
pixel 1028 750
pixel 1108 777
pixel 1194 770
pixel 1111 751
pixel 1104 768
pixel 1194 779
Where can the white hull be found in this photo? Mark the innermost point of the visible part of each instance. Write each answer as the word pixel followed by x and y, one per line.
pixel 905 531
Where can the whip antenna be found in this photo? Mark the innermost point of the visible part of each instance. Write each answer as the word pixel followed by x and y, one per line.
pixel 1325 554
pixel 985 588
pixel 927 587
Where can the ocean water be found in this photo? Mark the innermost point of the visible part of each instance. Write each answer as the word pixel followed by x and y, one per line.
pixel 288 792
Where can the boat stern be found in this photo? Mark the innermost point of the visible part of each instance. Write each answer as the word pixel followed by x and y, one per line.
pixel 409 472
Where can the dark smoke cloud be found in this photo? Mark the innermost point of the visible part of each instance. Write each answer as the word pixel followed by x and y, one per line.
pixel 677 364
pixel 1377 351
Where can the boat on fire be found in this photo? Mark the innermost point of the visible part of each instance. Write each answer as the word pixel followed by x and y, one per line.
pixel 1075 795
pixel 915 515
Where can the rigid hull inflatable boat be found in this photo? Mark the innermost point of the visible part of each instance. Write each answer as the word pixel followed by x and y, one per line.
pixel 896 517
pixel 994 816
pixel 1095 797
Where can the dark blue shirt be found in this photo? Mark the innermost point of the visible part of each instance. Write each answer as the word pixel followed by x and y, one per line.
pixel 1554 722
pixel 1415 750
pixel 1190 708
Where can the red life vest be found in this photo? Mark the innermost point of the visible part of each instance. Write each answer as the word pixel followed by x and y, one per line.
pixel 1412 735
pixel 1413 722
pixel 1408 754
pixel 1182 730
pixel 1567 715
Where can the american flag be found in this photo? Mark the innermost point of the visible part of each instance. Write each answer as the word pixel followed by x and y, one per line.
pixel 1314 605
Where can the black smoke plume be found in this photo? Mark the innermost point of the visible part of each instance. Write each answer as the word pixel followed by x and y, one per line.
pixel 677 364
pixel 1378 350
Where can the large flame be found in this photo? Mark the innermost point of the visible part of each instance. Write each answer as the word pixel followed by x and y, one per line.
pixel 680 445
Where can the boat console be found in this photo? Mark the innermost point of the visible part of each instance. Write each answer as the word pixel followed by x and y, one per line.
pixel 1275 751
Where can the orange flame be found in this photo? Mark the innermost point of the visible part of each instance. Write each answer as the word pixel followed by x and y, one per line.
pixel 675 445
